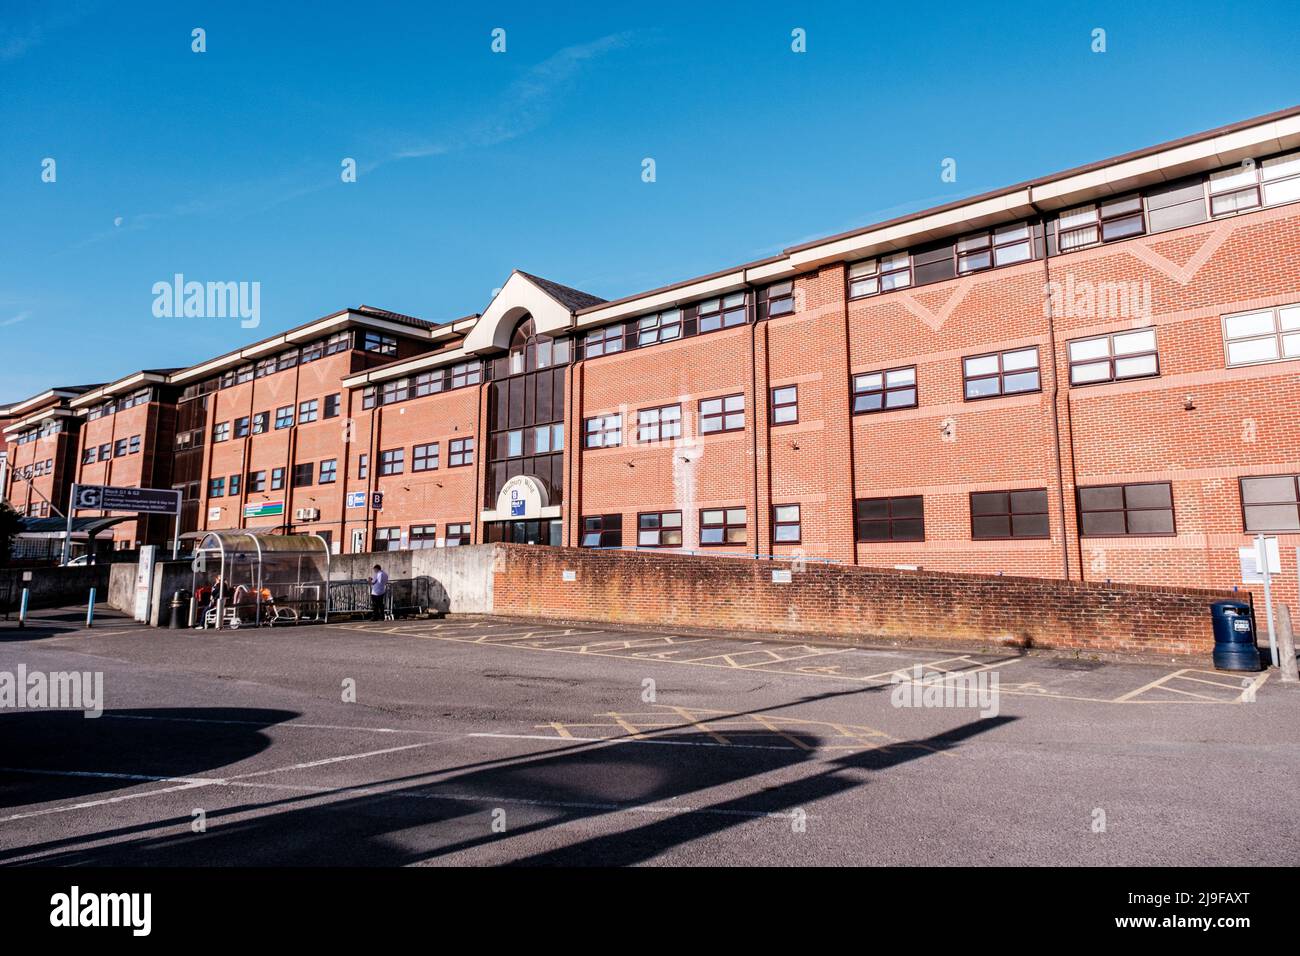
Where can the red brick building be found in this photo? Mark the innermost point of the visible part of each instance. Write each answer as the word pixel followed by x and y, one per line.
pixel 1092 375
pixel 42 442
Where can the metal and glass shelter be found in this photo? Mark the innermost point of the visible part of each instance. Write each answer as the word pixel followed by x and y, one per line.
pixel 251 578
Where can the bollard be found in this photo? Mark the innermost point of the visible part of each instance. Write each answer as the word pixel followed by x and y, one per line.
pixel 22 610
pixel 1286 645
pixel 90 610
pixel 174 617
pixel 193 609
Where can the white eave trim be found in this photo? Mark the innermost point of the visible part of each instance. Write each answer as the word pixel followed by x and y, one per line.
pixel 420 363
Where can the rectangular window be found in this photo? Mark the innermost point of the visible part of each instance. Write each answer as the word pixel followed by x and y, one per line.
pixel 547 438
pixel 88 455
pixel 786 528
pixel 256 481
pixel 244 374
pixel 460 451
pixel 659 529
pixel 312 351
pixel 303 474
pixel 216 487
pixel 287 360
pixel 233 487
pixel 423 537
pixel 458 534
pixel 1009 514
pixel 428 383
pixel 722 526
pixel 883 391
pixel 1001 373
pixel 1269 335
pixel 663 327
pixel 328 471
pixel 424 457
pixel 724 414
pixel 241 427
pixel 284 417
pixel 392 461
pixel 785 404
pixel 1110 358
pixel 133 445
pixel 1116 510
pixel 332 405
pixel 603 431
pixel 277 479
pixel 1234 190
pixel 603 341
pixel 1100 222
pixel 889 519
pixel 221 431
pixel 780 298
pixel 338 342
pixel 873 276
pixel 105 452
pixel 602 531
pixel 265 367
pixel 119 448
pixel 260 421
pixel 997 247
pixel 363 466
pixel 722 313
pixel 658 424
pixel 307 411
pixel 467 373
pixel 1281 178
pixel 388 539
pixel 396 391
pixel 368 396
pixel 380 344
pixel 1271 503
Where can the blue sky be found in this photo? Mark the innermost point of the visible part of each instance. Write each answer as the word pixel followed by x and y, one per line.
pixel 225 165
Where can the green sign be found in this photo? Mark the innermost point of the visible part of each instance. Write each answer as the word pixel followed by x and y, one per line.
pixel 264 508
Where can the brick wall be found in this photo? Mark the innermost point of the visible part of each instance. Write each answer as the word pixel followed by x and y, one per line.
pixel 855 604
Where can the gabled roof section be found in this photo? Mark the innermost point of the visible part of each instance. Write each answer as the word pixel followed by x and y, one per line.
pixel 550 304
pixel 569 297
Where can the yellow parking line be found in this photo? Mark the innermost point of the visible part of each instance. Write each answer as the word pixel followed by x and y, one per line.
pixel 1145 687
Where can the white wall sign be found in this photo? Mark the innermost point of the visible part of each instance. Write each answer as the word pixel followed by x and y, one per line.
pixel 214 514
pixel 1252 570
pixel 781 577
pixel 523 496
pixel 570 575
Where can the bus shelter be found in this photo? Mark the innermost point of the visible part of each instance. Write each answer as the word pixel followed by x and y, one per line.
pixel 250 579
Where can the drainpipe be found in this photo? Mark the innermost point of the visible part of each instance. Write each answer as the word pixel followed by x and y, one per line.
pixel 752 308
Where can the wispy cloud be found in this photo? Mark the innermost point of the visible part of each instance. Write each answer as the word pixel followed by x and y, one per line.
pixel 14 320
pixel 16 39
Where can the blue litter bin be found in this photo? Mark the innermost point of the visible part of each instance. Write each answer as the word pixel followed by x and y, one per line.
pixel 1234 637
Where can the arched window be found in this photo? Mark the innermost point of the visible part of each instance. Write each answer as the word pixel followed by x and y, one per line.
pixel 530 351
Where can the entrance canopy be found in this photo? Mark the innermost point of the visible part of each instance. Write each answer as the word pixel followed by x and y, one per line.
pixel 249 577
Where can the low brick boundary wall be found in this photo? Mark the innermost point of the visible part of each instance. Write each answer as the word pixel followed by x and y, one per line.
pixel 852 603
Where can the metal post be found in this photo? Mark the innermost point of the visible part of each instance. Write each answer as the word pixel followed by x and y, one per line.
pixel 67 537
pixel 221 606
pixel 1261 553
pixel 90 610
pixel 193 609
pixel 176 535
pixel 22 610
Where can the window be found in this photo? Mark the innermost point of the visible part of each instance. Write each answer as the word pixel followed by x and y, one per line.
pixel 221 431
pixel 467 373
pixel 1100 222
pixel 889 519
pixel 307 411
pixel 723 313
pixel 721 526
pixel 1270 503
pixel 603 341
pixel 396 391
pixel 368 396
pixel 1281 178
pixel 423 536
pixel 725 414
pixel 284 417
pixel 873 276
pixel 277 479
pixel 338 342
pixel 547 438
pixel 999 247
pixel 662 327
pixel 457 534
pixel 312 351
pixel 302 474
pixel 460 451
pixel 1002 373
pixel 392 461
pixel 388 539
pixel 260 421
pixel 119 448
pixel 1009 514
pixel 424 457
pixel 659 529
pixel 88 455
pixel 381 344
pixel 603 431
pixel 1114 510
pixel 328 471
pixel 243 374
pixel 233 486
pixel 265 367
pixel 882 391
pixel 241 427
pixel 428 383
pixel 133 445
pixel 1109 358
pixel 256 481
pixel 1265 336
pixel 332 405
pixel 363 466
pixel 287 360
pixel 658 424
pixel 785 404
pixel 105 452
pixel 785 524
pixel 216 487
pixel 1235 189
pixel 780 298
pixel 602 531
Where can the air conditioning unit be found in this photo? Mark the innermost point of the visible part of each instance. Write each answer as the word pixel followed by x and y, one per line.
pixel 306 514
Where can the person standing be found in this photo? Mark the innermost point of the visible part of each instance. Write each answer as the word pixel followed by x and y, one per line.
pixel 378 590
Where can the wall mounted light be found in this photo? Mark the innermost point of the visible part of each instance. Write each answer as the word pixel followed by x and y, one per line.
pixel 1189 403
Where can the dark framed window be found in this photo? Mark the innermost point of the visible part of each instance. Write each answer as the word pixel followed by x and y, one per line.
pixel 458 534
pixel 287 360
pixel 424 457
pixel 241 427
pixel 602 531
pixel 303 474
pixel 785 404
pixel 900 518
pixel 723 414
pixel 1100 222
pixel 1009 514
pixel 119 448
pixel 133 445
pixel 873 276
pixel 1000 373
pixel 392 461
pixel 233 486
pixel 369 395
pixel 265 367
pixel 467 373
pixel 243 374
pixel 786 524
pixel 105 452
pixel 311 352
pixel 221 431
pixel 388 539
pixel 722 526
pixel 363 466
pixel 659 529
pixel 1126 510
pixel 724 312
pixel 277 479
pixel 658 424
pixel 216 487
pixel 381 344
pixel 256 481
pixel 661 327
pixel 88 455
pixel 460 451
pixel 1270 503
pixel 284 417
pixel 996 247
pixel 329 468
pixel 546 439
pixel 332 405
pixel 1114 357
pixel 884 391
pixel 428 383
pixel 396 391
pixel 307 411
pixel 603 341
pixel 338 342
pixel 780 298
pixel 602 431
pixel 260 421
pixel 423 537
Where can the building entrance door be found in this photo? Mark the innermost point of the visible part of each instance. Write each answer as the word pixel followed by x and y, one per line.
pixel 524 532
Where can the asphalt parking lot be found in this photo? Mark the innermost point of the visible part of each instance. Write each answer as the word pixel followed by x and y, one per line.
pixel 486 741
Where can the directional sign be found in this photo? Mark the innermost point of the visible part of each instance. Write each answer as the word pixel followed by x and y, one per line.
pixel 377 501
pixel 263 509
pixel 159 501
pixel 356 499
